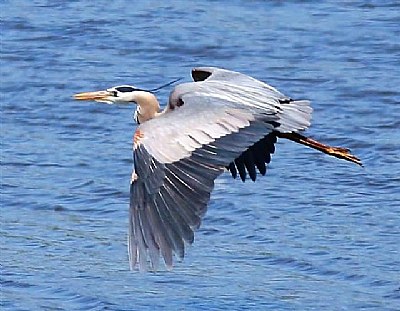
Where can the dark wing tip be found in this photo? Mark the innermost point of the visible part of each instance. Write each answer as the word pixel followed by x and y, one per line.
pixel 256 156
pixel 200 74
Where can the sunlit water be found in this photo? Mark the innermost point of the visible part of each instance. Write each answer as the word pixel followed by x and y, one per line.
pixel 316 233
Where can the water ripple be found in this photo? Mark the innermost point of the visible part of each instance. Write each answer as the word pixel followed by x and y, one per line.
pixel 314 233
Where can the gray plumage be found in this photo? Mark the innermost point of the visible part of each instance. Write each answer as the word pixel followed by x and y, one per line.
pixel 205 127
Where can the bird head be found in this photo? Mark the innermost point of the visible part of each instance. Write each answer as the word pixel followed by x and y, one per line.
pixel 116 94
pixel 120 94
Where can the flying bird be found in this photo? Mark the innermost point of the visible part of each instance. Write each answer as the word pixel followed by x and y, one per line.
pixel 223 121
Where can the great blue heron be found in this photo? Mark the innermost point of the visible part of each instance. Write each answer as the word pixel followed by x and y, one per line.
pixel 224 120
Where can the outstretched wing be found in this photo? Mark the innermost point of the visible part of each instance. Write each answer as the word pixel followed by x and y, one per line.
pixel 227 120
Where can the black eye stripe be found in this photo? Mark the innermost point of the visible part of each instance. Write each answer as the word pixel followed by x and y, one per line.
pixel 125 89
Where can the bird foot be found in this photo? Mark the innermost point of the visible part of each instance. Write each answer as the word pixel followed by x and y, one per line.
pixel 343 153
pixel 338 152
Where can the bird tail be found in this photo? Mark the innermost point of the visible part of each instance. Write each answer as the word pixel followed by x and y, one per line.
pixel 295 115
pixel 338 152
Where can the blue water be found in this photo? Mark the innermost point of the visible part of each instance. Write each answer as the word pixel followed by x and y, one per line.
pixel 316 233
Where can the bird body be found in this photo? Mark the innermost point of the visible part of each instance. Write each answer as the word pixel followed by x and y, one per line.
pixel 224 120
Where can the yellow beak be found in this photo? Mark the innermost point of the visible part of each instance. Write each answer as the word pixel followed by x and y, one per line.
pixel 99 95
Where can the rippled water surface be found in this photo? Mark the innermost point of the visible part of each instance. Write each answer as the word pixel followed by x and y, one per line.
pixel 316 233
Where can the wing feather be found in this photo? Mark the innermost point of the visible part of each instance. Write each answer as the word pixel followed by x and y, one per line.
pixel 183 205
pixel 162 239
pixel 148 235
pixel 173 236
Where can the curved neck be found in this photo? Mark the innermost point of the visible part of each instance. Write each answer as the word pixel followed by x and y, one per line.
pixel 148 106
